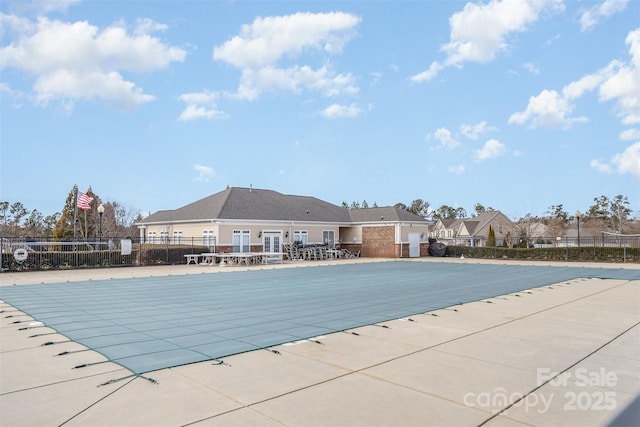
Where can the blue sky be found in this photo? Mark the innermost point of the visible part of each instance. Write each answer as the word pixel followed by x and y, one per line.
pixel 517 105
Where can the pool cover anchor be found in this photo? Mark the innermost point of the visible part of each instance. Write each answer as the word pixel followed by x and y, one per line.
pixel 86 365
pixel 64 353
pixel 115 380
pixel 42 335
pixel 44 344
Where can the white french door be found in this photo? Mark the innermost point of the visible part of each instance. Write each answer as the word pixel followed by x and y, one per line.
pixel 271 241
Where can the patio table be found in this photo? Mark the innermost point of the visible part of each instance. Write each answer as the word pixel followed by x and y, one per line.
pixel 192 258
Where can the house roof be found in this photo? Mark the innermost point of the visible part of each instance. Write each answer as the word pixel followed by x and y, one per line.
pixel 254 204
pixel 387 213
pixel 447 222
pixel 476 225
pixel 470 226
pixel 239 203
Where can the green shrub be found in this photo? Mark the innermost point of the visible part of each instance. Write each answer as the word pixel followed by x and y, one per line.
pixel 582 253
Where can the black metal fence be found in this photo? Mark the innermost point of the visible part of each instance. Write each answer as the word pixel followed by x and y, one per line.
pixel 605 248
pixel 27 254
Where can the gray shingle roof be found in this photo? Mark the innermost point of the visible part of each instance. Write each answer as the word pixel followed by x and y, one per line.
pixel 387 213
pixel 254 204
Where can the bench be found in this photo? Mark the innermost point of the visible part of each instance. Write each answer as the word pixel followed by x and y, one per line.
pixel 192 258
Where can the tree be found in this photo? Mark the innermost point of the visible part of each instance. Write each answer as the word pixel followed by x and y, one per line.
pixel 557 220
pixel 355 205
pixel 448 212
pixel 365 205
pixel 85 221
pixel 479 209
pixel 345 204
pixel 34 224
pixel 420 208
pixel 4 207
pixel 50 224
pixel 400 206
pixel 461 213
pixel 64 225
pixel 17 212
pixel 599 211
pixel 620 213
pixel 445 212
pixel 491 238
pixel 117 220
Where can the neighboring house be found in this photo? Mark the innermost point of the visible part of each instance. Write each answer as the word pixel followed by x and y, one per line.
pixel 475 231
pixel 445 229
pixel 537 234
pixel 255 220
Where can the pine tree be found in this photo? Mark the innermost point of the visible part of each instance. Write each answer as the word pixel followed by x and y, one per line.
pixel 491 239
pixel 64 225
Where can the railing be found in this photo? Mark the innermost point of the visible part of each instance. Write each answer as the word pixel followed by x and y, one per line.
pixel 587 248
pixel 29 254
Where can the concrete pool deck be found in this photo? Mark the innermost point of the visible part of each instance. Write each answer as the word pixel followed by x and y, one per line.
pixel 565 354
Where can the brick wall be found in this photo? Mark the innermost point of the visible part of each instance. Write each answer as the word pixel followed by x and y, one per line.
pixel 378 242
pixel 404 251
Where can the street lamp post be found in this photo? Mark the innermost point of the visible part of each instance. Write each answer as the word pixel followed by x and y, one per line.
pixel 578 214
pixel 100 212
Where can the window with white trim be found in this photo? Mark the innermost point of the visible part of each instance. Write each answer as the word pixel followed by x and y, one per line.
pixel 301 236
pixel 177 237
pixel 241 241
pixel 207 237
pixel 164 237
pixel 328 237
pixel 152 237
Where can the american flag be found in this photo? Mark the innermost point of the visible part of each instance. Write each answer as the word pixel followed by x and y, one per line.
pixel 83 201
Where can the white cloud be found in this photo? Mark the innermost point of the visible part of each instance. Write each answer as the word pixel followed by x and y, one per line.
pixel 600 167
pixel 266 40
pixel 68 85
pixel 481 31
pixel 548 109
pixel 590 17
pixel 618 81
pixel 271 79
pixel 445 138
pixel 474 131
pixel 456 169
pixel 200 105
pixel 147 26
pixel 16 96
pixel 623 85
pixel 261 45
pixel 72 61
pixel 626 162
pixel 205 173
pixel 630 134
pixel 491 149
pixel 531 67
pixel 376 76
pixel 336 111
